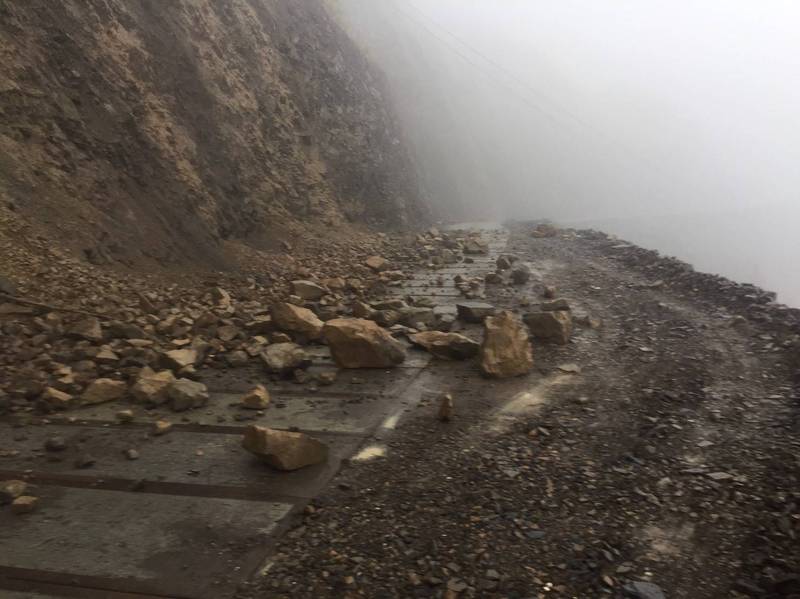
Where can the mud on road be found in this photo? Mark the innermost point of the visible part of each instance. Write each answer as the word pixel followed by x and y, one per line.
pixel 667 464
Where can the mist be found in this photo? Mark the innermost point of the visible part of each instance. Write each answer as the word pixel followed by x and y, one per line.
pixel 673 125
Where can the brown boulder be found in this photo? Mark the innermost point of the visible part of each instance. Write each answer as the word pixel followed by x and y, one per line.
pixel 296 319
pixel 256 399
pixel 359 343
pixel 151 387
pixel 103 390
pixel 284 450
pixel 186 394
pixel 377 263
pixel 506 350
pixel 450 346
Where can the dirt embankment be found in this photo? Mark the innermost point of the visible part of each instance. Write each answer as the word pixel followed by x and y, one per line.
pixel 154 130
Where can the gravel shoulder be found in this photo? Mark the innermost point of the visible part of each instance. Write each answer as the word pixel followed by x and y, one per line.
pixel 671 458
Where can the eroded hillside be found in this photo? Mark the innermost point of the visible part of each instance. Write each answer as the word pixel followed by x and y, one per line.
pixel 145 129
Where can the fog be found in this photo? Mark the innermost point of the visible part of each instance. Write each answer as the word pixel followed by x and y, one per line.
pixel 673 124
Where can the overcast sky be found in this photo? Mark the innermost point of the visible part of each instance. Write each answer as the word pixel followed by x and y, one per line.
pixel 600 109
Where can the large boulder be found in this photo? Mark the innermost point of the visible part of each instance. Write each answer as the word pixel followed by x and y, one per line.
pixel 186 394
pixel 296 319
pixel 151 387
pixel 359 343
pixel 103 390
pixel 553 326
pixel 506 350
pixel 308 290
pixel 284 450
pixel 474 312
pixel 284 357
pixel 450 346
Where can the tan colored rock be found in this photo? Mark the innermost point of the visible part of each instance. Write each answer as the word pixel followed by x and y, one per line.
pixel 151 387
pixel 88 329
pixel 103 390
pixel 308 290
pixel 221 297
pixel 186 394
pixel 542 231
pixel 377 263
pixel 228 332
pixel 552 326
pixel 506 350
pixel 161 427
pixel 335 283
pixel 446 408
pixel 24 504
pixel 362 309
pixel 284 357
pixel 256 399
pixel 106 355
pixel 176 359
pixel 359 343
pixel 550 292
pixel 555 305
pixel 124 415
pixel 296 319
pixel 450 346
pixel 58 400
pixel 284 450
pixel 476 246
pixel 11 489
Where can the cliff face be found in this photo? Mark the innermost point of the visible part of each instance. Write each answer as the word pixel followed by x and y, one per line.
pixel 144 128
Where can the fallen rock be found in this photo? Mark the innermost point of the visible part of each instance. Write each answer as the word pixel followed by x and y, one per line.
pixel 103 390
pixel 644 590
pixel 256 399
pixel 220 297
pixel 359 343
pixel 377 263
pixel 555 305
pixel 474 312
pixel 161 427
pixel 88 329
pixel 552 326
pixel 417 317
pixel 503 262
pixel 446 408
pixel 55 444
pixel 493 278
pixel 284 450
pixel 124 416
pixel 544 230
pixel 11 489
pixel 476 246
pixel 186 394
pixel 296 319
pixel 549 292
pixel 506 350
pixel 521 274
pixel 284 357
pixel 151 387
pixel 57 400
pixel 450 346
pixel 177 359
pixel 308 290
pixel 24 504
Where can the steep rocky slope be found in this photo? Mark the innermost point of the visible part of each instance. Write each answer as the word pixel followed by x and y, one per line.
pixel 144 129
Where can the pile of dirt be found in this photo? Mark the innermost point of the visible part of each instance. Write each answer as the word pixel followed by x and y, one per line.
pixel 155 131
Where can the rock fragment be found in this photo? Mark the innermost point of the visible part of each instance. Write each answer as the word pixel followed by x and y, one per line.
pixel 151 387
pixel 377 263
pixel 296 319
pixel 88 329
pixel 11 489
pixel 521 274
pixel 445 413
pixel 474 312
pixel 359 343
pixel 178 359
pixel 284 357
pixel 284 450
pixel 24 504
pixel 256 399
pixel 103 390
pixel 506 350
pixel 556 305
pixel 450 346
pixel 186 394
pixel 552 326
pixel 55 399
pixel 308 290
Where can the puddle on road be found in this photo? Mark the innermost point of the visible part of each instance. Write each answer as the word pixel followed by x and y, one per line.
pixel 527 402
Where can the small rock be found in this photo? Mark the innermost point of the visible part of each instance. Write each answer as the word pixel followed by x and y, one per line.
pixel 58 400
pixel 308 290
pixel 450 346
pixel 186 394
pixel 178 359
pixel 549 292
pixel 256 399
pixel 55 444
pixel 474 312
pixel 555 305
pixel 446 408
pixel 521 274
pixel 11 489
pixel 284 357
pixel 296 319
pixel 555 326
pixel 132 454
pixel 24 504
pixel 284 450
pixel 151 387
pixel 124 415
pixel 161 427
pixel 103 390
pixel 377 263
pixel 88 329
pixel 644 590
